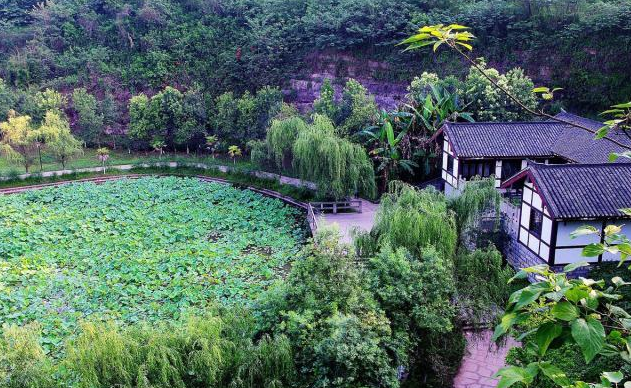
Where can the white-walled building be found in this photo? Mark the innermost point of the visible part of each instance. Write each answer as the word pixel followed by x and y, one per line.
pixel 558 199
pixel 502 149
pixel 559 172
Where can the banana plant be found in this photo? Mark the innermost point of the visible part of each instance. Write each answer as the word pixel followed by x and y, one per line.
pixel 437 106
pixel 388 149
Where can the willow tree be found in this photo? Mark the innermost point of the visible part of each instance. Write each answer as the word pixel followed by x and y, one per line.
pixel 59 140
pixel 281 137
pixel 415 219
pixel 339 167
pixel 478 197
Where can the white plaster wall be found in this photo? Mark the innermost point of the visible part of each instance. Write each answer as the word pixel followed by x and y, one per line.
pixel 565 228
pixel 573 255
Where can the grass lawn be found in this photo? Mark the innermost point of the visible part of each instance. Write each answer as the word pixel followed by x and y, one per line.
pixel 117 157
pixel 130 250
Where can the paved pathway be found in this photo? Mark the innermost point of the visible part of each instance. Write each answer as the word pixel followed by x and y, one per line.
pixel 348 221
pixel 481 361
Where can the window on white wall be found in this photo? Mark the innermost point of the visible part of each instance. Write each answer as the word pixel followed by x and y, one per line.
pixel 536 222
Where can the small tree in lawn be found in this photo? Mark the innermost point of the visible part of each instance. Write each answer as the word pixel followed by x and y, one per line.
pixel 19 142
pixel 211 144
pixel 158 145
pixel 103 154
pixel 55 131
pixel 234 152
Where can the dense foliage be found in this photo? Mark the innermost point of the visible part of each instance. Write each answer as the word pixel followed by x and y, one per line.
pixel 425 280
pixel 117 49
pixel 133 250
pixel 560 317
pixel 339 167
pixel 213 350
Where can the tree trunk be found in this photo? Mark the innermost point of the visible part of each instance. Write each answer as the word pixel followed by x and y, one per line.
pixel 385 180
pixel 39 153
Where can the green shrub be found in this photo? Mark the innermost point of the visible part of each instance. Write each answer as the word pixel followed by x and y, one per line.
pixel 481 301
pixel 339 335
pixel 208 351
pixel 23 361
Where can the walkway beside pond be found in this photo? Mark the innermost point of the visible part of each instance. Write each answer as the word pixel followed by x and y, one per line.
pixel 351 220
pixel 481 361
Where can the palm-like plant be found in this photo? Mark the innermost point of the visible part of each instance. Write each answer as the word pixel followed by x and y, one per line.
pixel 388 151
pixel 433 109
pixel 234 152
pixel 211 144
pixel 103 154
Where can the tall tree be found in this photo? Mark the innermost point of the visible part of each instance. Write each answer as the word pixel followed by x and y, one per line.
pixel 339 167
pixel 90 120
pixel 55 130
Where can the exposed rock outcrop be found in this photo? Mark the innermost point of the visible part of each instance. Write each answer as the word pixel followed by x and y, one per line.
pixel 304 88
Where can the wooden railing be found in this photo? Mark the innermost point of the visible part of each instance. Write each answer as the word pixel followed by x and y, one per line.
pixel 334 207
pixel 312 219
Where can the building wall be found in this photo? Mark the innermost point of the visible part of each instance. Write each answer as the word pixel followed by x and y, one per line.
pixel 516 254
pixel 449 175
pixel 569 250
pixel 538 244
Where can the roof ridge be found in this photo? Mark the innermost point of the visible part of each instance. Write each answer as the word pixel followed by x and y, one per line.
pixel 506 122
pixel 577 165
pixel 578 116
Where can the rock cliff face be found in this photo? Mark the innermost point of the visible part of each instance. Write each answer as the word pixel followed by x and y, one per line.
pixel 304 88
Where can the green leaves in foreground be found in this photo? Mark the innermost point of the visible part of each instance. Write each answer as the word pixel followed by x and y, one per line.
pixel 589 334
pixel 555 311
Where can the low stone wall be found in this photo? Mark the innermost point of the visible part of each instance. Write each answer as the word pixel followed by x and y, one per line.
pixel 517 255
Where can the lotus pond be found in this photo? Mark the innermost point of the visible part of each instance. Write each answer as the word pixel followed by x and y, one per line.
pixel 138 249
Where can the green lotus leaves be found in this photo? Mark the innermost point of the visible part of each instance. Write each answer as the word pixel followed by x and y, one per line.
pixel 145 249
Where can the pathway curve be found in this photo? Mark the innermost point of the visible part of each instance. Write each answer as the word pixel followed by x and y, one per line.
pixel 349 221
pixel 481 361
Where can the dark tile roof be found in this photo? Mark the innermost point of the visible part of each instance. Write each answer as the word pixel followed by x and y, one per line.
pixel 584 121
pixel 540 139
pixel 581 191
pixel 614 135
pixel 579 146
pixel 478 140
